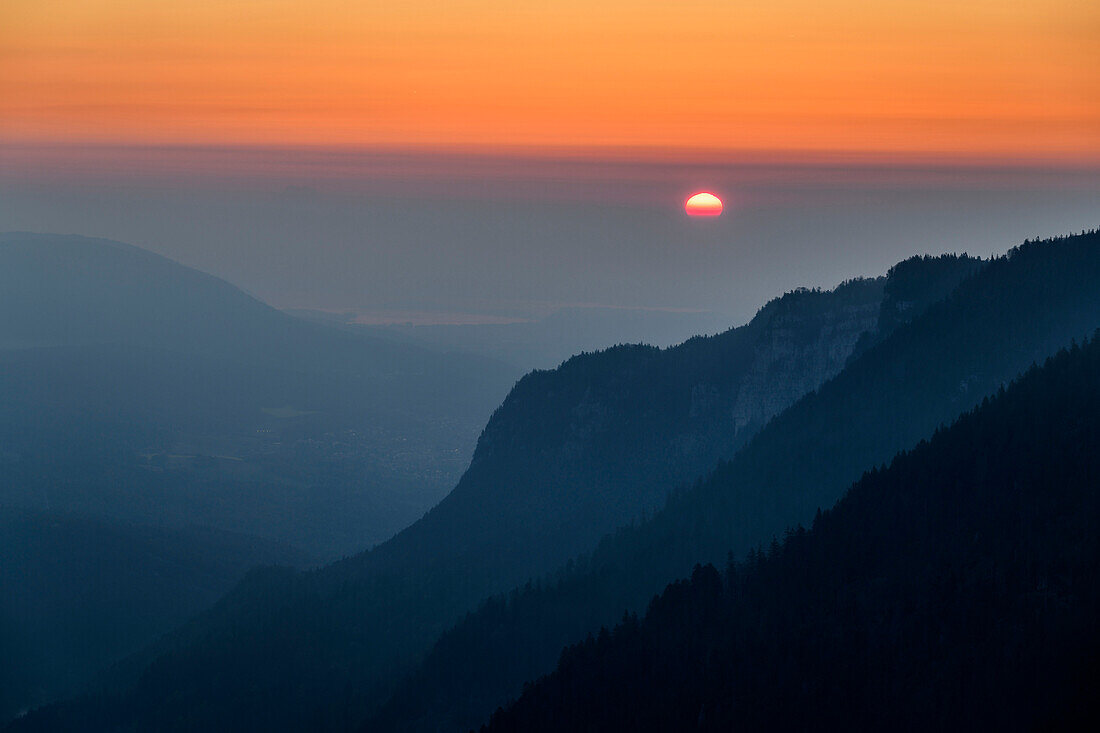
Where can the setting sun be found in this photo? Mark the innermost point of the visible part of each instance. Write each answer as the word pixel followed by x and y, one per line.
pixel 703 204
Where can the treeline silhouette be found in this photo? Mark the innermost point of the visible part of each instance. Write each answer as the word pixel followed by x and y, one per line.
pixel 957 589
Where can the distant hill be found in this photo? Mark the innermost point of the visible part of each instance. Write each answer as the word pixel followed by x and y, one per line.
pixel 142 389
pixel 957 589
pixel 61 290
pixel 571 454
pixel 82 593
pixel 1016 310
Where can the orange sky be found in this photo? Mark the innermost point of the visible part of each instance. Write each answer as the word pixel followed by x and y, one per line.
pixel 987 77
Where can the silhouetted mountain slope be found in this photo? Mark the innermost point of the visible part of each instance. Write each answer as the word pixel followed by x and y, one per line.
pixel 957 589
pixel 81 593
pixel 571 454
pixel 1016 310
pixel 577 451
pixel 148 370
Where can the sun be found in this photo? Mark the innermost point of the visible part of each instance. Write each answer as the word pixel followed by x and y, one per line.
pixel 703 203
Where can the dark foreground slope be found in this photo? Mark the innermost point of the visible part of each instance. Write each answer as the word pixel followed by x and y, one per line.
pixel 81 593
pixel 957 589
pixel 1019 309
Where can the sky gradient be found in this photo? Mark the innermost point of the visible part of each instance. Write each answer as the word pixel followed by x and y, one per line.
pixel 984 77
pixel 495 160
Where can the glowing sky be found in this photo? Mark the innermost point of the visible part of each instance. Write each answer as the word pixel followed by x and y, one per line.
pixel 981 76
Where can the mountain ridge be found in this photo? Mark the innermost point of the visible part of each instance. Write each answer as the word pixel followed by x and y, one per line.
pixel 954 588
pixel 1015 310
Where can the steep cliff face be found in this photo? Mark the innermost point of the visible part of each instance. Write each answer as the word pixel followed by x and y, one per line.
pixel 798 353
pixel 801 348
pixel 700 400
pixel 581 449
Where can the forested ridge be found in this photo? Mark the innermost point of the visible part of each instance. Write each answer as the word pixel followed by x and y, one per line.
pixel 1017 310
pixel 957 589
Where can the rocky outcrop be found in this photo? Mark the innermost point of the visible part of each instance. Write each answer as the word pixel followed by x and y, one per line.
pixel 607 435
pixel 797 353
